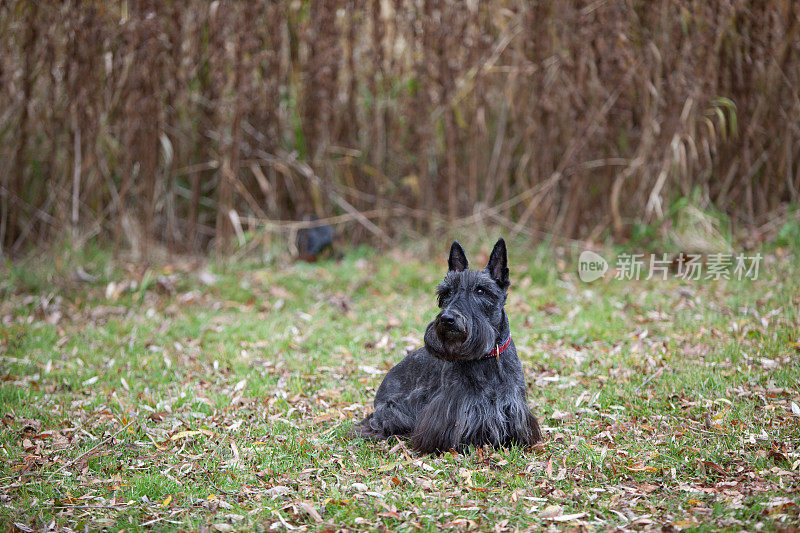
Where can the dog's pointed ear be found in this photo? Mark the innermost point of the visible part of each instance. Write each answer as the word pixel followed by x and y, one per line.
pixel 458 259
pixel 497 267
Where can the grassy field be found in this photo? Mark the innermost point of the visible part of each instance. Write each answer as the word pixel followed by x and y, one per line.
pixel 197 397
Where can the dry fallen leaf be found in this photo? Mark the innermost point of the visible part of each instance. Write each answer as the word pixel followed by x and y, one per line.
pixel 641 467
pixel 30 427
pixel 184 434
pixel 278 490
pixel 566 517
pixel 207 278
pixel 60 442
pixel 312 512
pixel 235 451
pixel 551 511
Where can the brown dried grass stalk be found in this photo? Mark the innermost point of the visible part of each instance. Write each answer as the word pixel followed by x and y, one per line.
pixel 154 121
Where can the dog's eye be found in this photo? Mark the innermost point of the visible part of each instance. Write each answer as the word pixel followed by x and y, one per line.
pixel 443 295
pixel 479 291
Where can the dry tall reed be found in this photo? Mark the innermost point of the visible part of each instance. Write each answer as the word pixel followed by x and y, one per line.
pixel 182 122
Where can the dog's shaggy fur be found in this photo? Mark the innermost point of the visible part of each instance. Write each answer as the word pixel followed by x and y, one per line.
pixel 449 394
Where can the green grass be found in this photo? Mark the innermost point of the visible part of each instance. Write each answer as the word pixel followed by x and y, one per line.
pixel 181 404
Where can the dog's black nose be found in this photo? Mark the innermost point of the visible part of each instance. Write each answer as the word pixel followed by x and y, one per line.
pixel 448 318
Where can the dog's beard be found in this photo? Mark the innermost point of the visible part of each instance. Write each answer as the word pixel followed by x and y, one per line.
pixel 477 341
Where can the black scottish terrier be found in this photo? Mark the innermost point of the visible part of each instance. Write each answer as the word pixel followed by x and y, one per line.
pixel 465 386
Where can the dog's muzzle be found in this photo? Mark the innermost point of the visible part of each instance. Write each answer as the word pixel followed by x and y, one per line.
pixel 451 325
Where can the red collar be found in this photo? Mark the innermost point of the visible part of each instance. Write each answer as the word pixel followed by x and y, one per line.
pixel 498 350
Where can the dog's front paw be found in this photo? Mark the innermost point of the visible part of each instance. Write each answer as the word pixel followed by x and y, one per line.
pixel 366 431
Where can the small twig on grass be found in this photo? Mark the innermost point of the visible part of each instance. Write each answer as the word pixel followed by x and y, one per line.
pixel 286 524
pixel 85 507
pixel 651 378
pixel 84 454
pixel 153 521
pixel 220 490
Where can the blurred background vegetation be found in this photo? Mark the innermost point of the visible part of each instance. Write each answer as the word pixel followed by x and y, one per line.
pixel 194 125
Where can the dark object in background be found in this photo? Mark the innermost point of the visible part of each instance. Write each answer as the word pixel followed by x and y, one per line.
pixel 311 242
pixel 466 385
